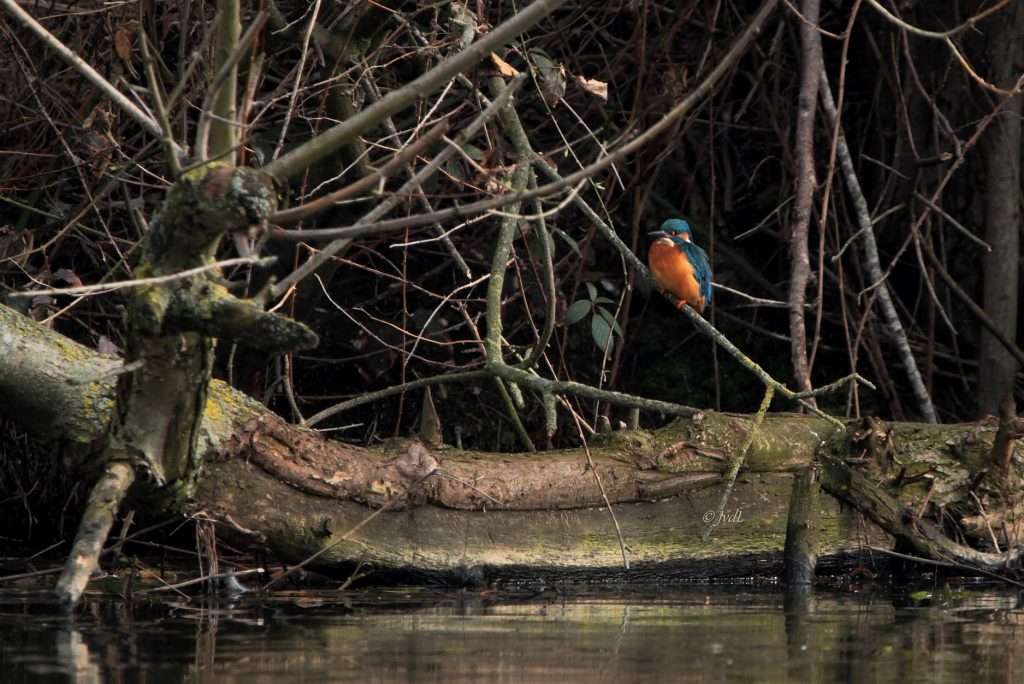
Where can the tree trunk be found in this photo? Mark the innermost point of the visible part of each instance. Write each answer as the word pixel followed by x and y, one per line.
pixel 996 366
pixel 799 259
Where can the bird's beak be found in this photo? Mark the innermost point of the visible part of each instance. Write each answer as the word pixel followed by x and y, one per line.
pixel 657 233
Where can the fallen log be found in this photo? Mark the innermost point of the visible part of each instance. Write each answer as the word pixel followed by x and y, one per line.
pixel 457 513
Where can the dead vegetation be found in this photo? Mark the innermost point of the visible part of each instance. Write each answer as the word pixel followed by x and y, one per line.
pixel 533 326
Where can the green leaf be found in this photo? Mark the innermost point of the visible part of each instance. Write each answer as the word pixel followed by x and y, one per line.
pixel 591 290
pixel 473 152
pixel 609 318
pixel 577 312
pixel 602 332
pixel 536 247
pixel 454 169
pixel 569 241
pixel 603 300
pixel 551 242
pixel 541 59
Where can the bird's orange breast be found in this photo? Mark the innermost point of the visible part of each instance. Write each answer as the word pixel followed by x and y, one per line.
pixel 674 272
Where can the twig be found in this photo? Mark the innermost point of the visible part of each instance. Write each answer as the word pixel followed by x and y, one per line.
pixel 604 494
pixel 314 14
pixel 945 37
pixel 526 379
pixel 753 301
pixel 94 77
pixel 763 375
pixel 972 306
pixel 513 412
pixel 199 580
pixel 370 397
pixel 366 226
pixel 326 143
pixel 217 94
pixel 947 564
pixel 29 575
pixel 736 461
pixel 155 280
pixel 953 222
pixel 872 263
pixel 158 103
pixel 826 193
pixel 924 33
pixel 535 382
pixel 547 269
pixel 814 25
pixel 329 250
pixel 399 159
pixel 972 73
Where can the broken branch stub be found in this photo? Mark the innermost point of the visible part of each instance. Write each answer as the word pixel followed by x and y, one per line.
pixel 171 326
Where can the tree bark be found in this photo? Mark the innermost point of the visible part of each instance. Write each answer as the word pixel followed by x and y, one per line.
pixel 287 490
pixel 996 366
pixel 803 152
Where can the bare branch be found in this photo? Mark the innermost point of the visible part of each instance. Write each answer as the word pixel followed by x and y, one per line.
pixel 872 264
pixel 368 227
pixel 213 100
pixel 946 37
pixel 390 203
pixel 93 76
pixel 158 103
pixel 399 159
pixel 327 142
pixel 799 265
pixel 103 288
pixel 924 33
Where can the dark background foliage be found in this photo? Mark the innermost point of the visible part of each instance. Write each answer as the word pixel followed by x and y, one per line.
pixel 79 182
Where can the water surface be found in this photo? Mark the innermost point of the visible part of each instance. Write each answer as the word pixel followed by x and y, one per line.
pixel 731 632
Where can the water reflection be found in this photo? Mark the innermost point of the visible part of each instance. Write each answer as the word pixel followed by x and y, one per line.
pixel 741 632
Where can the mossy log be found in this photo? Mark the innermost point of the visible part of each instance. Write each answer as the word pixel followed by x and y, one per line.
pixel 289 491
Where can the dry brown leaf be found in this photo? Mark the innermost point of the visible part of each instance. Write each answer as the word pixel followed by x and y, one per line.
pixel 594 87
pixel 504 67
pixel 123 45
pixel 68 276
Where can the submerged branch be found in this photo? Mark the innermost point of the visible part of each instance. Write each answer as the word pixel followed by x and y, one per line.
pixel 100 511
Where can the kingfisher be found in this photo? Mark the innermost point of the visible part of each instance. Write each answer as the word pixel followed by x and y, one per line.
pixel 679 266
